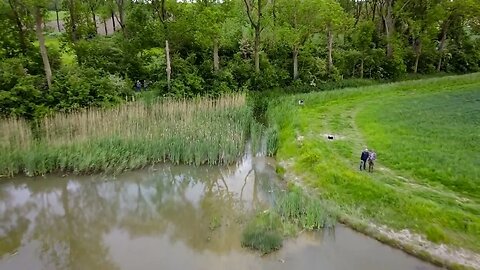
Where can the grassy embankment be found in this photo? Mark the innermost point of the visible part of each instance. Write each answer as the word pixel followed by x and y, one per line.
pixel 426 135
pixel 202 131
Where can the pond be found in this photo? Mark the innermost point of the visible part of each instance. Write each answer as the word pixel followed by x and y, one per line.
pixel 168 217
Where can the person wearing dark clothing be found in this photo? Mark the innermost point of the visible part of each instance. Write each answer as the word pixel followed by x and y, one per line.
pixel 363 159
pixel 138 86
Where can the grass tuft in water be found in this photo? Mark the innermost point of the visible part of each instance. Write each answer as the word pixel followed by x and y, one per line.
pixel 263 233
pixel 294 211
pixel 303 211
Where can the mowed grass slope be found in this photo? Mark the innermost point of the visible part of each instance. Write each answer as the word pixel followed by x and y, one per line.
pixel 426 134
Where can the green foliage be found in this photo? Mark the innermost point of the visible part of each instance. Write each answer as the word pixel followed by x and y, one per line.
pixel 109 55
pixel 23 98
pixel 75 88
pixel 262 233
pixel 20 92
pixel 196 30
pixel 439 34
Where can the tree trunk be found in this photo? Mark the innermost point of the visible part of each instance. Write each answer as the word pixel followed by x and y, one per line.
pixel 330 48
pixel 43 48
pixel 374 11
pixel 216 59
pixel 169 68
pixel 256 49
pixel 121 14
pixel 418 52
pixel 113 22
pixel 441 48
pixel 361 67
pixel 20 29
pixel 389 27
pixel 358 12
pixel 94 20
pixel 295 63
pixel 73 25
pixel 256 24
pixel 105 26
pixel 21 35
pixel 164 11
pixel 58 17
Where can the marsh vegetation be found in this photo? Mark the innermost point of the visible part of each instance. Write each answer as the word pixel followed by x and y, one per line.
pixel 199 131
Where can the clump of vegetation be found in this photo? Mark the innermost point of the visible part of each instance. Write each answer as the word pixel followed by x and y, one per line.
pixel 201 131
pixel 294 210
pixel 263 233
pixel 303 211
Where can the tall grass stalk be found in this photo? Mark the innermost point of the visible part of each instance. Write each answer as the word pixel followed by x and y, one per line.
pixel 199 131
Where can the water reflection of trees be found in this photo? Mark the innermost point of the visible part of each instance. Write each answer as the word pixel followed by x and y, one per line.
pixel 69 219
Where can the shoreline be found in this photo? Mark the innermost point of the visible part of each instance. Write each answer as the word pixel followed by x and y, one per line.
pixel 412 244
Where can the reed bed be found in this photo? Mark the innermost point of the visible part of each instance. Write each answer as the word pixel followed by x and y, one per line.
pixel 15 134
pixel 199 131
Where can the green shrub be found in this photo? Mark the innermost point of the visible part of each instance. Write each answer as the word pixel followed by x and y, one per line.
pixel 21 94
pixel 76 87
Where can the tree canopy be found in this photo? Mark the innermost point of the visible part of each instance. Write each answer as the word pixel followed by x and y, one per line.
pixel 208 47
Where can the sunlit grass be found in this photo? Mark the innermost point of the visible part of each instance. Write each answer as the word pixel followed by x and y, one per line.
pixel 430 185
pixel 431 137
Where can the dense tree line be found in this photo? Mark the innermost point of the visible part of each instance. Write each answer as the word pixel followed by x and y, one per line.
pixel 188 48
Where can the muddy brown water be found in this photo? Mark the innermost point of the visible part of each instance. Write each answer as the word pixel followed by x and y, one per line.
pixel 165 217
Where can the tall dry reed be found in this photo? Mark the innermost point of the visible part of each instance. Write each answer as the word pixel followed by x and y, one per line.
pixel 199 131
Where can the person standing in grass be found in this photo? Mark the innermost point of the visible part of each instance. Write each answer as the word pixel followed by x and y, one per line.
pixel 363 159
pixel 372 156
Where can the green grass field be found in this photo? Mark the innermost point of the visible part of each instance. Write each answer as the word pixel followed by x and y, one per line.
pixel 426 134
